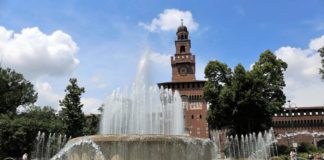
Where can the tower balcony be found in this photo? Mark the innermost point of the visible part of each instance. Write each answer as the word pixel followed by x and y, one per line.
pixel 183 58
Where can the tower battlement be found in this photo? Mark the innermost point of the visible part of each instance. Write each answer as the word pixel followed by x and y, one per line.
pixel 183 58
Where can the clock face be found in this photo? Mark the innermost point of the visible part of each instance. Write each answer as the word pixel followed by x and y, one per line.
pixel 183 70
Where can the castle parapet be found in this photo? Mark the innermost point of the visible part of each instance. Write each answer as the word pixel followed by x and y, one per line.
pixel 183 58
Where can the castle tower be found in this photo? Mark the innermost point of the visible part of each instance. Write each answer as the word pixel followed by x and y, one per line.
pixel 183 62
pixel 183 66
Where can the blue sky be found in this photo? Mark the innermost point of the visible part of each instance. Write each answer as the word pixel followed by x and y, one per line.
pixel 103 41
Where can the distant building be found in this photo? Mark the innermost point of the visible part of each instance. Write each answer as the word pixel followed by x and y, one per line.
pixel 302 124
pixel 183 65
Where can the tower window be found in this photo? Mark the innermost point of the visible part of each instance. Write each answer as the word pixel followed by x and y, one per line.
pixel 181 36
pixel 182 49
pixel 192 116
pixel 186 37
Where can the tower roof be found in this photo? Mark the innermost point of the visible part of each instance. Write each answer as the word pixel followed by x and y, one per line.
pixel 182 28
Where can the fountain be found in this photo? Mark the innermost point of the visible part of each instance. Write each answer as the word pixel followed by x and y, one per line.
pixel 143 123
pixel 46 145
pixel 253 146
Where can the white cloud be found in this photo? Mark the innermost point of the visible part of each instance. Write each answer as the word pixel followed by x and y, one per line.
pixel 170 19
pixel 47 96
pixel 160 59
pixel 36 54
pixel 91 105
pixel 304 86
pixel 317 43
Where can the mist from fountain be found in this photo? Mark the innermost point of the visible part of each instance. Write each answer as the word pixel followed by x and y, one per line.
pixel 143 109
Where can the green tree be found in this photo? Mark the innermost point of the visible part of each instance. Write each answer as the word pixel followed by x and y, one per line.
pixel 244 101
pixel 217 74
pixel 73 116
pixel 18 133
pixel 91 125
pixel 15 91
pixel 321 50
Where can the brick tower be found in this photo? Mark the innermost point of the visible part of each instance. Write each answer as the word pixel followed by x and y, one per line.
pixel 183 65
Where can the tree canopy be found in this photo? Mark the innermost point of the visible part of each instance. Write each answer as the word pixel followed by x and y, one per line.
pixel 15 91
pixel 244 101
pixel 73 116
pixel 19 130
pixel 18 133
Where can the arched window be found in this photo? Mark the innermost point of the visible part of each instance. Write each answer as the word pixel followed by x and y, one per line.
pixel 182 49
pixel 200 116
pixel 181 36
pixel 192 117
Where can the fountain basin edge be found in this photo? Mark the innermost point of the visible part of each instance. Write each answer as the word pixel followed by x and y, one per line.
pixel 138 147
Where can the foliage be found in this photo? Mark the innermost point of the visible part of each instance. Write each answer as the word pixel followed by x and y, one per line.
pixel 306 147
pixel 15 91
pixel 73 116
pixel 303 150
pixel 17 133
pixel 284 150
pixel 244 101
pixel 91 125
pixel 281 157
pixel 218 75
pixel 321 50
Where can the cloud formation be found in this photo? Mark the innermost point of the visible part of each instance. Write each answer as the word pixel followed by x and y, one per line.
pixel 91 105
pixel 47 96
pixel 169 20
pixel 160 59
pixel 317 43
pixel 304 86
pixel 36 54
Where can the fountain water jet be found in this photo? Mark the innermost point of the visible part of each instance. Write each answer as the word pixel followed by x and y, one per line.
pixel 252 146
pixel 143 111
pixel 46 145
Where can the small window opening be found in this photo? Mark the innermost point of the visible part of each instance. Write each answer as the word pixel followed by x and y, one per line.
pixel 182 49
